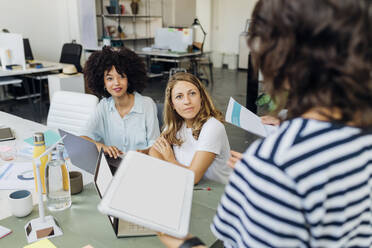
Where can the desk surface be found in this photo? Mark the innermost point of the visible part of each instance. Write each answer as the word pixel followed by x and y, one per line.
pixel 47 66
pixel 168 54
pixel 82 224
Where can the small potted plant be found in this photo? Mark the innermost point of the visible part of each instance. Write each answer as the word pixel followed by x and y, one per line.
pixel 134 6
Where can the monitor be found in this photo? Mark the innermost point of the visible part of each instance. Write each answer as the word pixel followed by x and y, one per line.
pixel 27 48
pixel 11 50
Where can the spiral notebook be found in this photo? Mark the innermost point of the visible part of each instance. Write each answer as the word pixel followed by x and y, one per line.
pixel 102 179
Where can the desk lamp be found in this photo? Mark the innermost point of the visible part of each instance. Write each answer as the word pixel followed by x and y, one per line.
pixel 44 226
pixel 197 23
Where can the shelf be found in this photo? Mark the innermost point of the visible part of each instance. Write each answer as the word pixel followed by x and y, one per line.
pixel 129 16
pixel 140 29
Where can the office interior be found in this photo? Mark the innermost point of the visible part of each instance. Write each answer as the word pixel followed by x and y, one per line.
pixel 49 25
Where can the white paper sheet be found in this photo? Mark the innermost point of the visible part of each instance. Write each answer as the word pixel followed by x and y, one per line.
pixel 16 176
pixel 240 116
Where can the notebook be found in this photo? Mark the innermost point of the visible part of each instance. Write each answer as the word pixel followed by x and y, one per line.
pixel 152 193
pixel 84 153
pixel 102 180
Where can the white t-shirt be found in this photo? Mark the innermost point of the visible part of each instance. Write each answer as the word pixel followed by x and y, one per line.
pixel 212 138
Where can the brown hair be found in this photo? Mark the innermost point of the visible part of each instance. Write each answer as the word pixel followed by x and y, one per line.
pixel 321 50
pixel 173 121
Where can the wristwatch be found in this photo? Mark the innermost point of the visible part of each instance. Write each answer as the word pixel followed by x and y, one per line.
pixel 194 241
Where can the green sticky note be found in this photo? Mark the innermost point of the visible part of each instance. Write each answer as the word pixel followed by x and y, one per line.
pixel 50 137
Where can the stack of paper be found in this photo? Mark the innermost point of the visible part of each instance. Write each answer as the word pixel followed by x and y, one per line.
pixel 241 117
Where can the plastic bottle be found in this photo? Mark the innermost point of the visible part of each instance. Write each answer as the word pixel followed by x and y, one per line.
pixel 39 148
pixel 58 181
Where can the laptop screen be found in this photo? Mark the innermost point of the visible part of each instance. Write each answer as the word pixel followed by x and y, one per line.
pixel 103 175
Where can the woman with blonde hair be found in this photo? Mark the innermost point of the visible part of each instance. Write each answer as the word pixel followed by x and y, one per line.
pixel 193 134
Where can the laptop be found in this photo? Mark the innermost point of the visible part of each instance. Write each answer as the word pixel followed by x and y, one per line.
pixel 152 193
pixel 102 180
pixel 84 153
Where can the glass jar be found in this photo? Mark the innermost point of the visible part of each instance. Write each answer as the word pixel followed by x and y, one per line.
pixel 58 181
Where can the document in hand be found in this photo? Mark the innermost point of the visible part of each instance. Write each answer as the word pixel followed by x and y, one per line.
pixel 240 116
pixel 151 193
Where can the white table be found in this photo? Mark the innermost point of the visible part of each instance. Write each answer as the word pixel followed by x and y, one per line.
pixel 47 66
pixel 23 129
pixel 169 57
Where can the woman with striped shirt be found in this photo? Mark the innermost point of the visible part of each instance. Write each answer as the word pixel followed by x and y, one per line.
pixel 309 184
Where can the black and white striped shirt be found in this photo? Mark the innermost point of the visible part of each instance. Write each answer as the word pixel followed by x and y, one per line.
pixel 308 185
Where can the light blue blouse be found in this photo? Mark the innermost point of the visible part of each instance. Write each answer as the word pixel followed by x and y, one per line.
pixel 137 130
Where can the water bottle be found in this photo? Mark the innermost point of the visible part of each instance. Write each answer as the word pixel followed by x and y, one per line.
pixel 39 148
pixel 58 181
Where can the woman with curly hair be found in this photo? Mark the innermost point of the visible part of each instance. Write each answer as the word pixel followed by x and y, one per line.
pixel 194 135
pixel 124 119
pixel 308 184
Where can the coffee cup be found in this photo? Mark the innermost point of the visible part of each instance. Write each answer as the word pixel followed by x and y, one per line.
pixel 76 182
pixel 20 203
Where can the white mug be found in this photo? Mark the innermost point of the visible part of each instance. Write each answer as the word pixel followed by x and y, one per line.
pixel 20 203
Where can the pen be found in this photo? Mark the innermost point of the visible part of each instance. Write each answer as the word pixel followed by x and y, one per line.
pixel 6 170
pixel 204 188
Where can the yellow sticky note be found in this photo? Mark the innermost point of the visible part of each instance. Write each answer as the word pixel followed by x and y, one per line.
pixel 44 243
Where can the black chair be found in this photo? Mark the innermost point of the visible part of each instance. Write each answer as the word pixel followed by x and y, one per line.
pixel 71 54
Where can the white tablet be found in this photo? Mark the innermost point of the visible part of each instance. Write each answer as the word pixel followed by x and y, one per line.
pixel 152 193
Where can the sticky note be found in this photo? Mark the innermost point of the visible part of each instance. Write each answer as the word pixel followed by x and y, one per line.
pixel 44 243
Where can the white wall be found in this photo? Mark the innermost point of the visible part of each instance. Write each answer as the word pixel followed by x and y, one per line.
pixel 47 23
pixel 204 14
pixel 228 21
pixel 179 12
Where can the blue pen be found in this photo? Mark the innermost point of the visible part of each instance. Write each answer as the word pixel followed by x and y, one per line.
pixel 6 170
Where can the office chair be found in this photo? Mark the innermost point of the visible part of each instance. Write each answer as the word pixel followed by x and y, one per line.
pixel 71 111
pixel 174 70
pixel 71 54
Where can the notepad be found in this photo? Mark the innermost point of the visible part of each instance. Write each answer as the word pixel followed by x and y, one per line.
pixel 152 193
pixel 44 243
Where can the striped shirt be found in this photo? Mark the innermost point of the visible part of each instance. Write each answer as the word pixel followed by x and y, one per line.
pixel 308 185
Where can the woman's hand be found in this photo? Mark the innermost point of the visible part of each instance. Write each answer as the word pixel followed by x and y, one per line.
pixel 234 157
pixel 270 120
pixel 165 149
pixel 112 151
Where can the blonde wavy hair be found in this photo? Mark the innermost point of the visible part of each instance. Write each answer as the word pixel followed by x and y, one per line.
pixel 173 121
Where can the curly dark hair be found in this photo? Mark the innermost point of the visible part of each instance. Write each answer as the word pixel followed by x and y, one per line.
pixel 318 50
pixel 125 61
